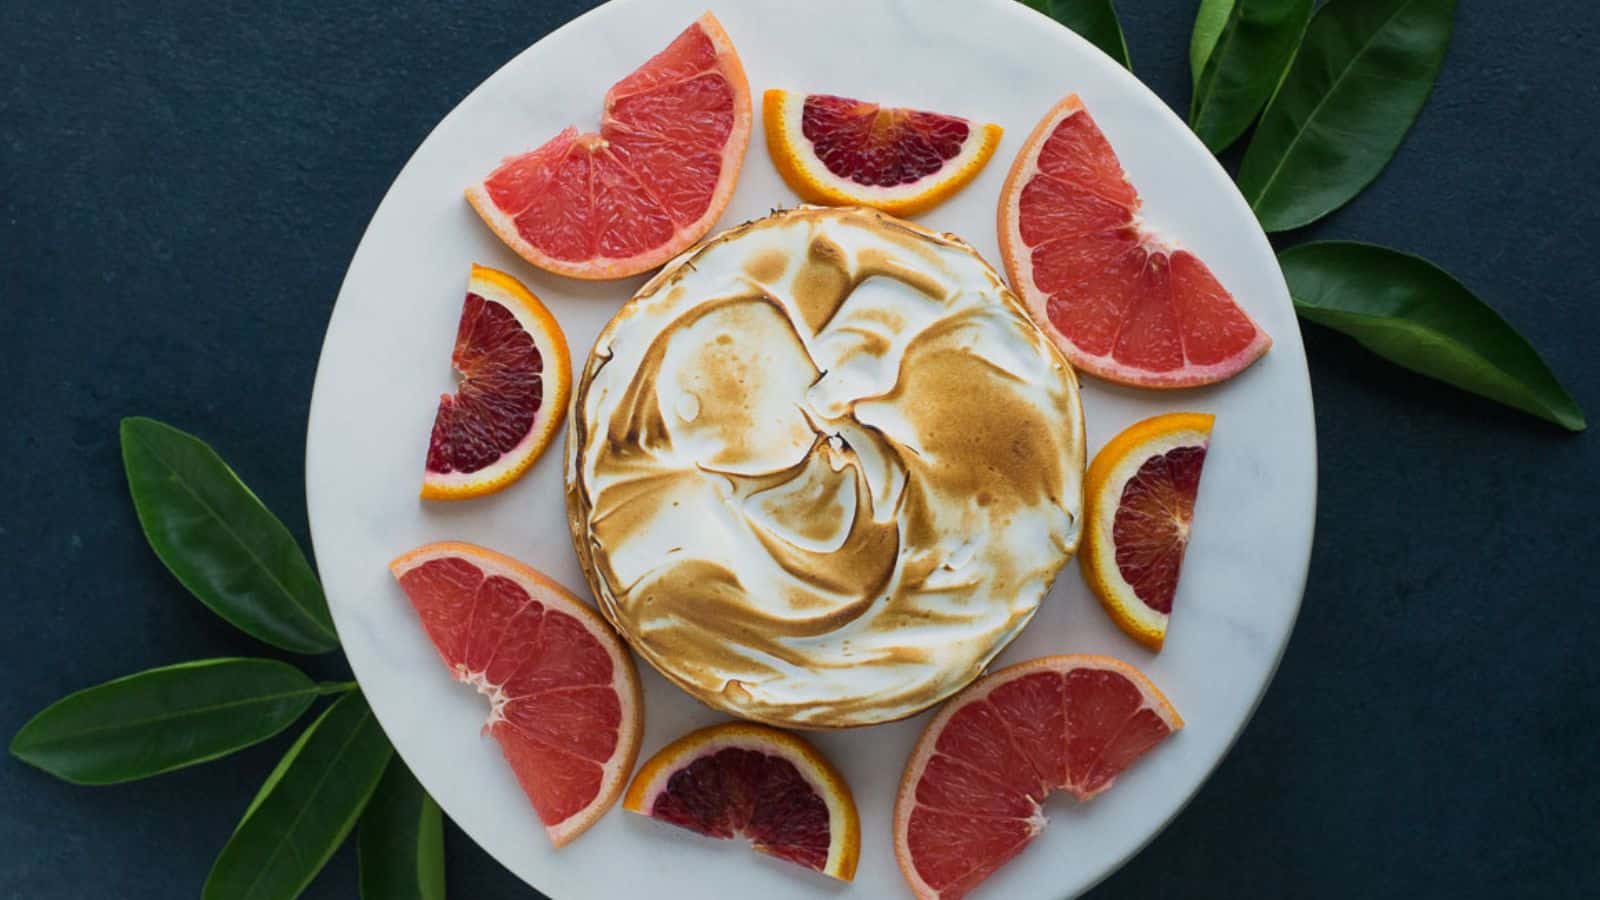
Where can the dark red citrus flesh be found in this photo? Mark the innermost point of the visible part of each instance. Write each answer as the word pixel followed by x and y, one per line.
pixel 500 392
pixel 764 798
pixel 557 715
pixel 651 170
pixel 1151 528
pixel 1113 289
pixel 998 758
pixel 877 146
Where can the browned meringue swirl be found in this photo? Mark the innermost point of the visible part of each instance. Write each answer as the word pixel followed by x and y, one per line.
pixel 822 469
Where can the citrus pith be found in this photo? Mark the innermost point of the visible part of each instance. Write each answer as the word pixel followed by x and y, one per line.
pixel 564 699
pixel 516 377
pixel 838 151
pixel 972 793
pixel 648 184
pixel 1119 301
pixel 770 786
pixel 1139 498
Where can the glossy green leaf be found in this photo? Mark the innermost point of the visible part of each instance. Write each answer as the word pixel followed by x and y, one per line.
pixel 220 541
pixel 401 840
pixel 1208 22
pixel 1413 313
pixel 164 719
pixel 1094 20
pixel 1250 55
pixel 306 807
pixel 1359 82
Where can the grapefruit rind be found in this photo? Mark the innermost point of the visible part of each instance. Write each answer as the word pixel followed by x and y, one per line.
pixel 607 268
pixel 540 325
pixel 1118 461
pixel 905 798
pixel 625 679
pixel 797 161
pixel 1017 258
pixel 844 825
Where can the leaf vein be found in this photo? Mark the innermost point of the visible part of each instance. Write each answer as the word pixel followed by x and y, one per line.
pixel 316 788
pixel 1303 127
pixel 166 717
pixel 249 551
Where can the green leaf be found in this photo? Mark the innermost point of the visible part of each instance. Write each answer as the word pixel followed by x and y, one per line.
pixel 220 542
pixel 306 807
pixel 401 841
pixel 164 719
pixel 1359 82
pixel 1094 20
pixel 1250 55
pixel 1208 22
pixel 1413 313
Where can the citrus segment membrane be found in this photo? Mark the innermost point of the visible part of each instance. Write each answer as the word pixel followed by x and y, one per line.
pixel 717 796
pixel 973 792
pixel 755 782
pixel 1120 301
pixel 649 183
pixel 515 377
pixel 879 147
pixel 1140 495
pixel 500 392
pixel 564 702
pixel 1152 524
pixel 842 151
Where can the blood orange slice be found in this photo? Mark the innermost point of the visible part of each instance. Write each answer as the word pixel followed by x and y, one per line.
pixel 651 182
pixel 516 376
pixel 1118 301
pixel 843 152
pixel 972 794
pixel 766 785
pixel 564 699
pixel 1139 505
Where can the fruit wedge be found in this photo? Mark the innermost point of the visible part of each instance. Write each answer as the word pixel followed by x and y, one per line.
pixel 768 786
pixel 516 376
pixel 972 794
pixel 648 184
pixel 1118 300
pixel 1139 506
pixel 564 701
pixel 842 152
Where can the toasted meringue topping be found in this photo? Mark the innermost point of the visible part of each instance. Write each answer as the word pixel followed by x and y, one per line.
pixel 823 468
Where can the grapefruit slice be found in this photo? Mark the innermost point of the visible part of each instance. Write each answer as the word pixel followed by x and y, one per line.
pixel 516 375
pixel 972 794
pixel 564 699
pixel 1139 505
pixel 648 184
pixel 843 152
pixel 1118 301
pixel 766 785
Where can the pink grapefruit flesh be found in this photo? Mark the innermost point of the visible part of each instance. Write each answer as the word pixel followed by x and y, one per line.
pixel 564 700
pixel 972 794
pixel 1115 297
pixel 648 184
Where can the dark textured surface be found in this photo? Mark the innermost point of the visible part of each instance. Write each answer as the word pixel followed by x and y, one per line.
pixel 182 185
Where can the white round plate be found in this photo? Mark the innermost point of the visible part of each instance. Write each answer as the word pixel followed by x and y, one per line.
pixel 387 358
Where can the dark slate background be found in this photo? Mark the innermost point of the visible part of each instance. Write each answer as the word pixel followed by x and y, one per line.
pixel 183 183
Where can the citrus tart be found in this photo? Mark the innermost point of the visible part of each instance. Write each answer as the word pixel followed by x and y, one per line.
pixel 823 468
